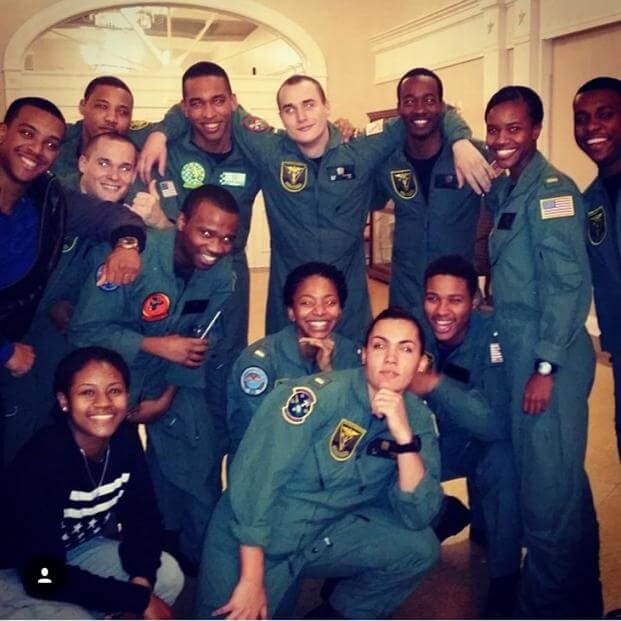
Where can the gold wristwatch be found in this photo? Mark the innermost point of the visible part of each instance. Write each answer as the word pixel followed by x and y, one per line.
pixel 128 242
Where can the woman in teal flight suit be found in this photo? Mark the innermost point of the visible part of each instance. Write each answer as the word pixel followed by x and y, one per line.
pixel 542 293
pixel 314 295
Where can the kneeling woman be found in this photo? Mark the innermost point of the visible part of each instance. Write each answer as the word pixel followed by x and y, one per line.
pixel 314 294
pixel 69 484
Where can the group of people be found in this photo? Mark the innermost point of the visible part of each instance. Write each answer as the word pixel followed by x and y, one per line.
pixel 124 298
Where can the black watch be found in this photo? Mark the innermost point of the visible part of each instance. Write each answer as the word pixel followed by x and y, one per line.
pixel 411 447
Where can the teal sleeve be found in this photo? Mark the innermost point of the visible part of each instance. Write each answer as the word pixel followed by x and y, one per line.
pixel 454 127
pixel 255 137
pixel 374 149
pixel 174 124
pixel 100 317
pixel 468 408
pixel 268 456
pixel 417 509
pixel 563 277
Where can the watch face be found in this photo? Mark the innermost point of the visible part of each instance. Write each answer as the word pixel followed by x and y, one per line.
pixel 544 368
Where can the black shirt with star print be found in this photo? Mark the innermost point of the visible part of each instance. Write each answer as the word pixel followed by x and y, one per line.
pixel 50 506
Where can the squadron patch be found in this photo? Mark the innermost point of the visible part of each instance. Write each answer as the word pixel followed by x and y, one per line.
pixel 253 381
pixel 255 124
pixel 107 286
pixel 344 440
pixel 557 207
pixel 293 176
pixel 193 175
pixel 404 183
pixel 299 405
pixel 597 225
pixel 69 244
pixel 155 307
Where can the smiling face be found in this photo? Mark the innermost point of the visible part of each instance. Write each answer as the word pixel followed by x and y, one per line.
pixel 208 105
pixel 512 136
pixel 96 404
pixel 392 355
pixel 304 114
pixel 448 306
pixel 597 127
pixel 316 308
pixel 29 144
pixel 107 109
pixel 420 106
pixel 204 237
pixel 108 169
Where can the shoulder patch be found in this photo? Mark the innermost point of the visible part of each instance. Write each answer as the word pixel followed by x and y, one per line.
pixel 168 189
pixel 597 225
pixel 344 439
pixel 299 405
pixel 138 125
pixel 253 381
pixel 107 286
pixel 557 207
pixel 155 307
pixel 255 124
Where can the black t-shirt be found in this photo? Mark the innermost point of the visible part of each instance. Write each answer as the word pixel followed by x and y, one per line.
pixel 423 169
pixel 612 185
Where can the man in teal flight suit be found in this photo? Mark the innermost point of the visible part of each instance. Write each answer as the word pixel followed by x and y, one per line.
pixel 318 192
pixel 597 128
pixel 433 215
pixel 337 475
pixel 160 325
pixel 468 391
pixel 314 294
pixel 542 295
pixel 205 153
pixel 107 107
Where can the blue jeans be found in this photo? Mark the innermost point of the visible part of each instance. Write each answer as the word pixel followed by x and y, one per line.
pixel 99 556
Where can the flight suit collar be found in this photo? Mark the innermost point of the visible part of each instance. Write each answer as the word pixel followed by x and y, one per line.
pixel 526 180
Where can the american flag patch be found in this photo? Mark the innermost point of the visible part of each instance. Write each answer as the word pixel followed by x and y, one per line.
pixel 557 207
pixel 495 353
pixel 167 188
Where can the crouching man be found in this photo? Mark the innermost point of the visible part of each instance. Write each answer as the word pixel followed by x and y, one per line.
pixel 336 476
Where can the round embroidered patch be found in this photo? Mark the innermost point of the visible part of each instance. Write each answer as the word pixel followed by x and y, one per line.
pixel 299 405
pixel 107 286
pixel 193 175
pixel 155 307
pixel 253 381
pixel 255 124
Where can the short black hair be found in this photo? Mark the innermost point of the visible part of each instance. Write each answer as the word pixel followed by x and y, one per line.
pixel 214 194
pixel 601 83
pixel 518 93
pixel 454 265
pixel 36 102
pixel 75 361
pixel 395 312
pixel 115 136
pixel 314 268
pixel 297 79
pixel 412 73
pixel 105 80
pixel 205 69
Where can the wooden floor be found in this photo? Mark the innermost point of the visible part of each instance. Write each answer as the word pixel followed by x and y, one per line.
pixel 456 588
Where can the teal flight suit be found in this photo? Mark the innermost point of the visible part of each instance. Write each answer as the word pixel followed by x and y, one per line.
pixel 267 362
pixel 604 233
pixel 317 208
pixel 184 450
pixel 189 167
pixel 304 487
pixel 426 229
pixel 472 408
pixel 542 295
